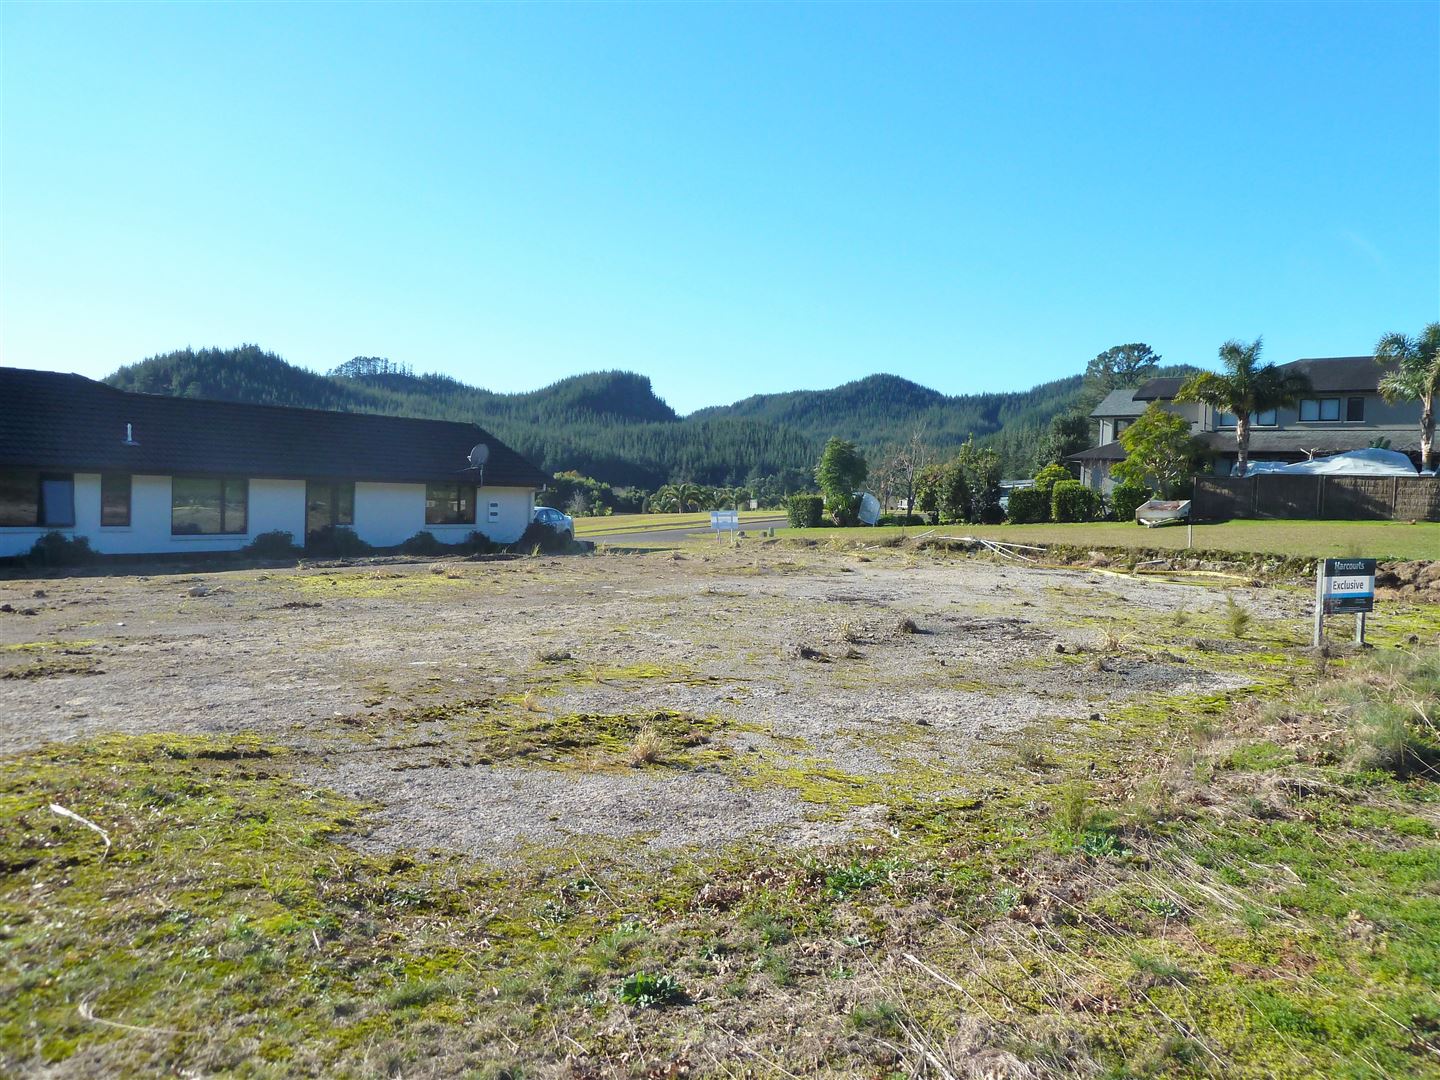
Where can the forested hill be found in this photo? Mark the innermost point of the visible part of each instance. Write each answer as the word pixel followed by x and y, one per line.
pixel 612 426
pixel 855 410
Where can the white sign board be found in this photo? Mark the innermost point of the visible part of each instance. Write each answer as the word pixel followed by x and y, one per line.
pixel 726 520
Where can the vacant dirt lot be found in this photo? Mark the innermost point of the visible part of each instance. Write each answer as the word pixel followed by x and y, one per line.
pixel 396 680
pixel 767 810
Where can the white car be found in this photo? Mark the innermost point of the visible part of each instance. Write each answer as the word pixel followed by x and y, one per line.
pixel 563 525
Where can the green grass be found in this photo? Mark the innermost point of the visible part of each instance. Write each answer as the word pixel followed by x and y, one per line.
pixel 622 523
pixel 1312 539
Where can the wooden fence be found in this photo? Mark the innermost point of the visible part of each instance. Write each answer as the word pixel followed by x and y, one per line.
pixel 1372 498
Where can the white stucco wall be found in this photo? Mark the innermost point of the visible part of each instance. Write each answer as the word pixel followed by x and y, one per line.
pixel 389 514
pixel 385 515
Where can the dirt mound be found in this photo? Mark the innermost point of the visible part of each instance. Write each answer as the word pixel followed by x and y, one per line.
pixel 1418 580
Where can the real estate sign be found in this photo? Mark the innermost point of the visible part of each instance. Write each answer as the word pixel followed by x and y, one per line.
pixel 725 519
pixel 1348 586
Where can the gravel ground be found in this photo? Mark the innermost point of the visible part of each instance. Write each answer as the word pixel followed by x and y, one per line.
pixel 796 655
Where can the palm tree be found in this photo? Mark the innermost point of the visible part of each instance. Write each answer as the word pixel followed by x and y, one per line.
pixel 678 498
pixel 1416 375
pixel 1247 387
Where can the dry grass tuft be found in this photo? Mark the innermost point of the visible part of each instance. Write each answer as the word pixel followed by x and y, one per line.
pixel 554 656
pixel 907 625
pixel 647 749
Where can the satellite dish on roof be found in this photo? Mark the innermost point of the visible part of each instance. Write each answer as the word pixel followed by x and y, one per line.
pixel 479 454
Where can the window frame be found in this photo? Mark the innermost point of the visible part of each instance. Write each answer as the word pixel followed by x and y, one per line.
pixel 1225 419
pixel 1319 417
pixel 451 493
pixel 225 483
pixel 25 480
pixel 42 503
pixel 332 490
pixel 129 499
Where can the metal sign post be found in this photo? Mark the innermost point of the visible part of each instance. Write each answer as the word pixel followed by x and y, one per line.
pixel 1344 586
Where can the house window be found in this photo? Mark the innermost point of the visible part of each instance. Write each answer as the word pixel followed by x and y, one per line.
pixel 57 500
pixel 1320 408
pixel 208 505
pixel 115 499
pixel 1267 418
pixel 1355 409
pixel 19 498
pixel 1120 425
pixel 328 505
pixel 449 504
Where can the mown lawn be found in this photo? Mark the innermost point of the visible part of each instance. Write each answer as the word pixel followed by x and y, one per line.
pixel 591 526
pixel 1321 539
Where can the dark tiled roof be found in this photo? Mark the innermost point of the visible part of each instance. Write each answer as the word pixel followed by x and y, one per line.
pixel 1119 403
pixel 1160 389
pixel 1110 451
pixel 1333 374
pixel 54 421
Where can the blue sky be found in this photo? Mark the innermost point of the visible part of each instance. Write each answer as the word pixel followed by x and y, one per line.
pixel 730 199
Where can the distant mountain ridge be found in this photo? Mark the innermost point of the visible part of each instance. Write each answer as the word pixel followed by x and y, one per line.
pixel 613 426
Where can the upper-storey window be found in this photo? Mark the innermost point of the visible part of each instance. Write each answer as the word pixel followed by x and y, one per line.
pixel 1320 408
pixel 1267 418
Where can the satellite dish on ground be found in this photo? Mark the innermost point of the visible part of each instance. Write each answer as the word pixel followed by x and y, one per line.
pixel 869 508
pixel 479 454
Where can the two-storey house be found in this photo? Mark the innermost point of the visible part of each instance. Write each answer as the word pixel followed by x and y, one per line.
pixel 1343 411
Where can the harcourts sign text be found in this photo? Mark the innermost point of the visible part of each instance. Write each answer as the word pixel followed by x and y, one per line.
pixel 1349 586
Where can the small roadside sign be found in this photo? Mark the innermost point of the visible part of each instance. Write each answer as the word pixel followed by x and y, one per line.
pixel 725 520
pixel 1344 587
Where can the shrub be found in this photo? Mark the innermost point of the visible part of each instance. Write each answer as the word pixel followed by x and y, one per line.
pixel 57 549
pixel 1071 500
pixel 901 519
pixel 477 543
pixel 423 543
pixel 542 538
pixel 804 511
pixel 844 510
pixel 1050 475
pixel 337 541
pixel 276 544
pixel 1126 499
pixel 1029 505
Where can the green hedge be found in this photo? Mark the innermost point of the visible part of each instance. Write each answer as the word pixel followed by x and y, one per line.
pixel 1126 499
pixel 804 511
pixel 1029 506
pixel 1071 500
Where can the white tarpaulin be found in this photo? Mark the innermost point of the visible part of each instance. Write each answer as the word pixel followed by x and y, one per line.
pixel 1351 463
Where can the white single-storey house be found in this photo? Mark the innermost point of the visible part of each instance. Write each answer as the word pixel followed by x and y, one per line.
pixel 147 473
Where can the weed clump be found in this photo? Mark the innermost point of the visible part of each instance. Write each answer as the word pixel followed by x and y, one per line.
pixel 907 625
pixel 1237 619
pixel 646 991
